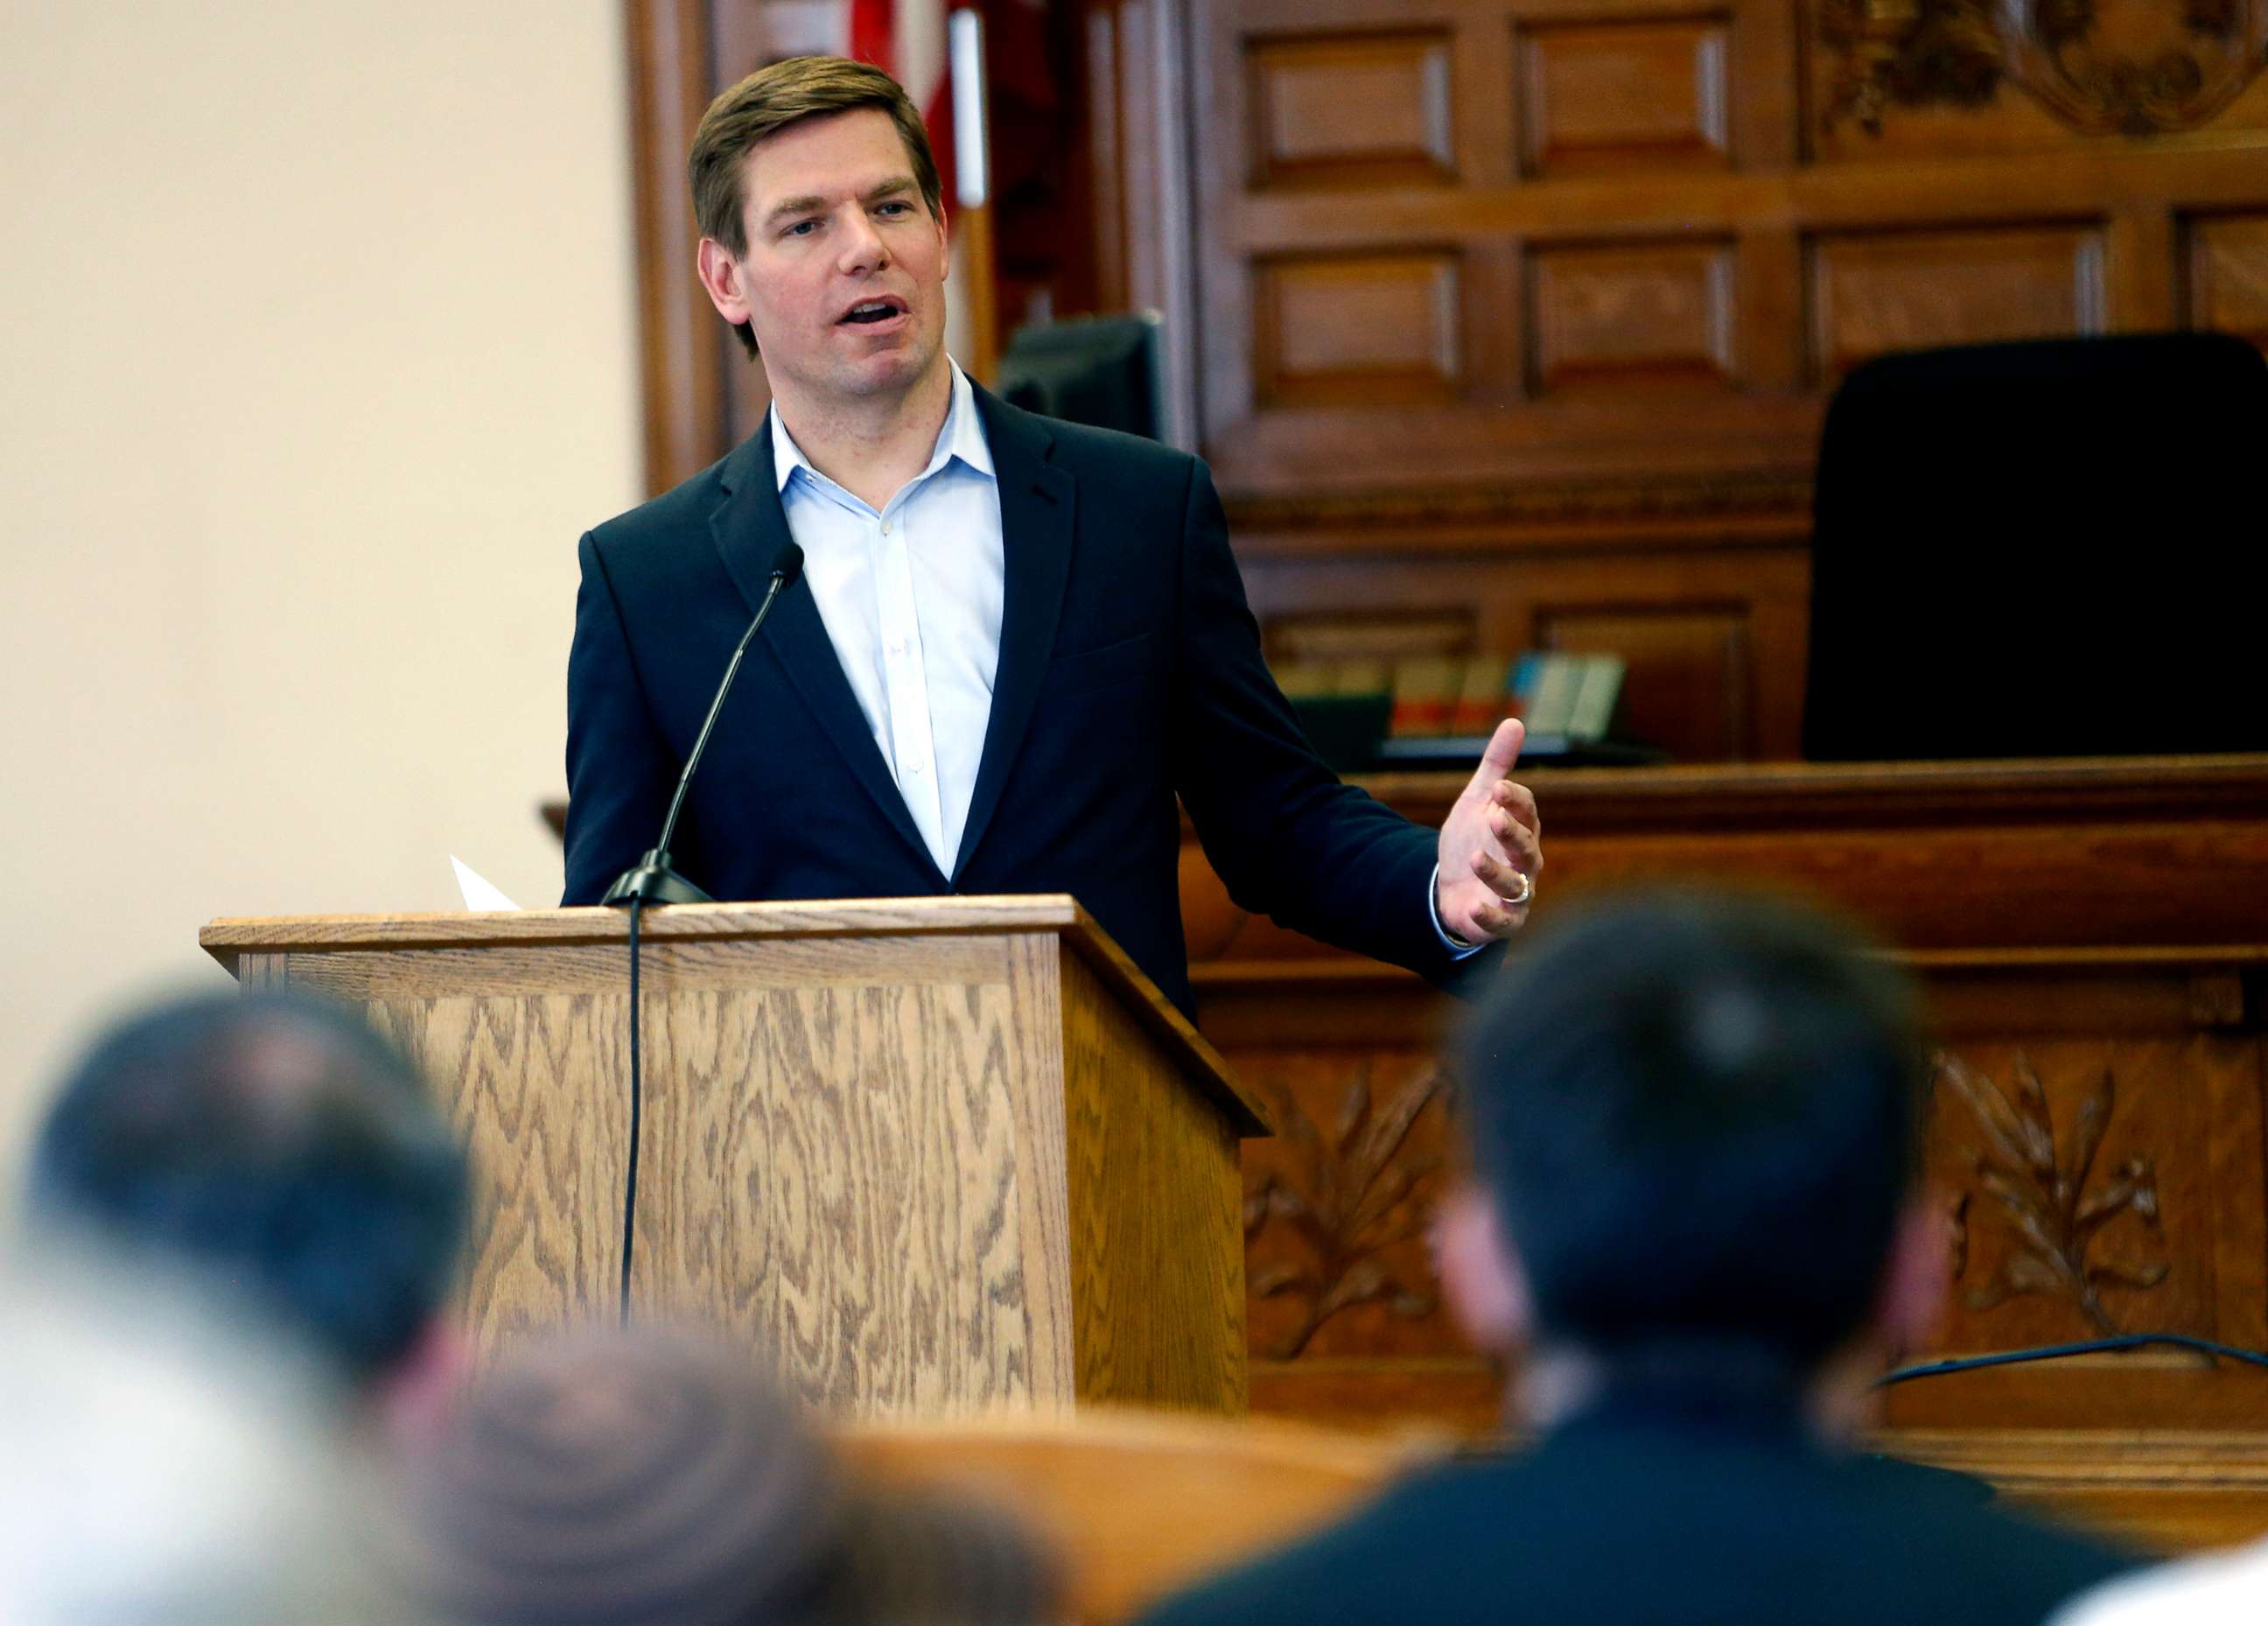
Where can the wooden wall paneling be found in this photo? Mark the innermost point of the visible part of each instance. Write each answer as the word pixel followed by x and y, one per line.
pixel 2226 275
pixel 1714 634
pixel 1632 314
pixel 682 366
pixel 1225 282
pixel 743 37
pixel 1873 292
pixel 1146 108
pixel 2140 273
pixel 2097 1134
pixel 1352 110
pixel 1689 682
pixel 1647 94
pixel 1487 118
pixel 1360 328
pixel 1495 320
pixel 1770 278
pixel 1172 211
pixel 1765 88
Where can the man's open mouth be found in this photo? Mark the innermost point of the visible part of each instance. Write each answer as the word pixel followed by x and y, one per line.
pixel 870 311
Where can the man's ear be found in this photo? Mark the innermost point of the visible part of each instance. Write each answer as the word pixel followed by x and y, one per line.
pixel 723 279
pixel 1915 1278
pixel 1481 1274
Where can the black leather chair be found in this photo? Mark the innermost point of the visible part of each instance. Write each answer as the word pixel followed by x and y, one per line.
pixel 2050 548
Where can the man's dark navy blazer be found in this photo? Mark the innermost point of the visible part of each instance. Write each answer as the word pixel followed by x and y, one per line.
pixel 1130 672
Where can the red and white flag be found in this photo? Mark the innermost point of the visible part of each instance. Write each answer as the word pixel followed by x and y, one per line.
pixel 906 39
pixel 911 41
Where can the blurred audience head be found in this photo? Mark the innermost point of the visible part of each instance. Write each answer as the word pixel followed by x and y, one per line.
pixel 1695 1120
pixel 278 1149
pixel 621 1478
pixel 156 1467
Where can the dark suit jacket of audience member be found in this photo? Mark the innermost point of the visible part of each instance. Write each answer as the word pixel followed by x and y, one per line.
pixel 1638 1512
pixel 1130 672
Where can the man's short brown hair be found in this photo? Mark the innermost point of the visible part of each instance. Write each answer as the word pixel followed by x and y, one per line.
pixel 766 103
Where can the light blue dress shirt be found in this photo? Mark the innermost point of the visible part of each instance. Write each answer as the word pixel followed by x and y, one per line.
pixel 910 597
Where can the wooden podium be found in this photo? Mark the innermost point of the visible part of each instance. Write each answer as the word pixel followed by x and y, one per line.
pixel 936 1155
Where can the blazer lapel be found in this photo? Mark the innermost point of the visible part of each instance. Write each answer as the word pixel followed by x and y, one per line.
pixel 750 528
pixel 1037 511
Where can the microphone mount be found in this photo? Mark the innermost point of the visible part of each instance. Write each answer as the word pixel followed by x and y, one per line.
pixel 652 879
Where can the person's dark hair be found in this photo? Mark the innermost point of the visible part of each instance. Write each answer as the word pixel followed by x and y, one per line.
pixel 276 1144
pixel 611 1478
pixel 1697 1118
pixel 765 103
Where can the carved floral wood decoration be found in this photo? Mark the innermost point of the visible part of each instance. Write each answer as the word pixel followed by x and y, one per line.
pixel 1349 1197
pixel 2103 66
pixel 2041 1190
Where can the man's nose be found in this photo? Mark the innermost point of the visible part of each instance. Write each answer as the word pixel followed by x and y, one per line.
pixel 862 250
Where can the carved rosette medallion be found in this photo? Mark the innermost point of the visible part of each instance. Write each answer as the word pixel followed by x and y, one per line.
pixel 2043 1192
pixel 2102 67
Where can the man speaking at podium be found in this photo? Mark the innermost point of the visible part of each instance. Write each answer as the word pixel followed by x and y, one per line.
pixel 1014 640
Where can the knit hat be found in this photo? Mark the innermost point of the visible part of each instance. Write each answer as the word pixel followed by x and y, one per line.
pixel 619 1479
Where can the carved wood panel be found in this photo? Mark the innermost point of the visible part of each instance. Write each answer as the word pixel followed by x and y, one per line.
pixel 2054 72
pixel 2096 1177
pixel 2097 1135
pixel 1621 125
pixel 1336 1204
pixel 1564 260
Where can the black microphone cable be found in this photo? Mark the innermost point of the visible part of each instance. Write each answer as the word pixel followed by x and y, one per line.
pixel 2058 1351
pixel 638 1105
pixel 653 880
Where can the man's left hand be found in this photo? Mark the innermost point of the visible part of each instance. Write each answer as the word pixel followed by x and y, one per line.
pixel 1491 848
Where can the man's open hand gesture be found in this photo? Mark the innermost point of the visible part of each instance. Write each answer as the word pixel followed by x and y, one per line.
pixel 1491 848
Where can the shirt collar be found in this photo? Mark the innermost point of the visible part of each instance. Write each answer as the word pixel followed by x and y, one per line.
pixel 962 436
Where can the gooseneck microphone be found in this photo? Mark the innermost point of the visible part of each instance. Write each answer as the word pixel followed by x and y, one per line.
pixel 653 881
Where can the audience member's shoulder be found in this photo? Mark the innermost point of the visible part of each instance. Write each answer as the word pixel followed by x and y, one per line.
pixel 1402 1557
pixel 2034 1564
pixel 2221 1589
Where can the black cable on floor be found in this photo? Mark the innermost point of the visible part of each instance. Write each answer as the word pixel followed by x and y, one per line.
pixel 2057 1352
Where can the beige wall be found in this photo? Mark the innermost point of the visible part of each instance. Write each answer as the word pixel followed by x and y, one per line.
pixel 317 350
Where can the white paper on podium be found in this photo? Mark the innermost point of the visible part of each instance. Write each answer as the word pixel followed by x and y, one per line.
pixel 481 895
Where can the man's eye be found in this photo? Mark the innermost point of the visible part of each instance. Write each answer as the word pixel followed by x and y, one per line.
pixel 895 209
pixel 801 228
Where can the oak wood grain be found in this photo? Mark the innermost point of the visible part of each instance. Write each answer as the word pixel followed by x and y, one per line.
pixel 931 1159
pixel 836 1170
pixel 1153 1189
